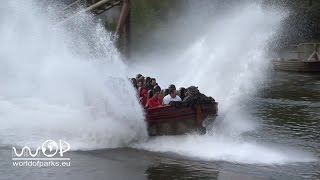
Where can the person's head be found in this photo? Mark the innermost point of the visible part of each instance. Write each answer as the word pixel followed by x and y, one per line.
pixel 138 76
pixel 156 91
pixel 182 91
pixel 134 82
pixel 166 92
pixel 140 82
pixel 171 86
pixel 144 93
pixel 148 79
pixel 153 82
pixel 173 92
pixel 193 90
pixel 150 94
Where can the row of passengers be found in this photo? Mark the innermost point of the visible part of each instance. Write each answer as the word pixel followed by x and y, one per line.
pixel 145 85
pixel 156 100
pixel 141 82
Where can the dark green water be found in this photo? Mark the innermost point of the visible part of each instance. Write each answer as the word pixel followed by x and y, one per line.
pixel 288 113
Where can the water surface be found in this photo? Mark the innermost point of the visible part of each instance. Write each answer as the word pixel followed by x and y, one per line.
pixel 288 115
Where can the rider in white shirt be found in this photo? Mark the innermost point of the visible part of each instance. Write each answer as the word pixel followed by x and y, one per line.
pixel 172 96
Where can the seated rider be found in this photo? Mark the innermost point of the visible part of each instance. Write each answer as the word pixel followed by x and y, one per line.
pixel 143 97
pixel 172 96
pixel 140 82
pixel 156 100
pixel 151 84
pixel 192 91
pixel 138 76
pixel 193 95
pixel 134 83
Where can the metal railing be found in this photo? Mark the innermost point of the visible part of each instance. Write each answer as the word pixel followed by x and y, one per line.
pixel 308 51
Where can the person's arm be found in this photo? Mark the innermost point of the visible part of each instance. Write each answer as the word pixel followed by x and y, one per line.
pixel 147 104
pixel 150 103
pixel 161 101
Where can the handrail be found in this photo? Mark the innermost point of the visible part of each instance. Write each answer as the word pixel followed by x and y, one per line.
pixel 116 3
pixel 309 54
pixel 68 6
pixel 94 6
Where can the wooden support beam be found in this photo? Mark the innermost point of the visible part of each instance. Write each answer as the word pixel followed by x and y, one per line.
pixel 128 35
pixel 123 16
pixel 122 32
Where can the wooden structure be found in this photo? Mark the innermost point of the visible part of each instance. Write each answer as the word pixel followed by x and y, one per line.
pixel 308 59
pixel 122 32
pixel 180 118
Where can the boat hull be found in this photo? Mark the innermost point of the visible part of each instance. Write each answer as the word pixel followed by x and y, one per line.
pixel 297 66
pixel 182 119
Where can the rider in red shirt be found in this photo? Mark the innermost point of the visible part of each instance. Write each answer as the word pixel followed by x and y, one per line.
pixel 143 96
pixel 156 100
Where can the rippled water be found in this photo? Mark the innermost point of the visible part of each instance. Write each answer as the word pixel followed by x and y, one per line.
pixel 288 115
pixel 290 108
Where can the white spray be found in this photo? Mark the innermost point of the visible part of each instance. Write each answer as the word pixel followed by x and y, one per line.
pixel 227 62
pixel 64 82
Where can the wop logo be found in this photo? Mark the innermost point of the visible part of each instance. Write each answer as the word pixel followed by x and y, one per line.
pixel 49 149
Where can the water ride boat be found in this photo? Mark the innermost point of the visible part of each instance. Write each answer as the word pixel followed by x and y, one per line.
pixel 182 117
pixel 307 61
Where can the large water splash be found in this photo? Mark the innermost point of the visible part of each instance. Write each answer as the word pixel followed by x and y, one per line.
pixel 228 61
pixel 63 82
